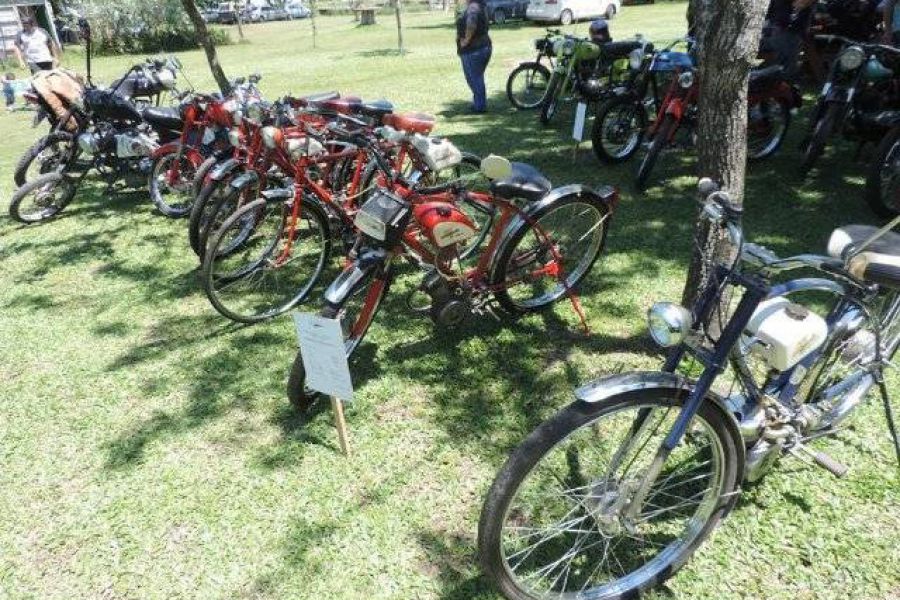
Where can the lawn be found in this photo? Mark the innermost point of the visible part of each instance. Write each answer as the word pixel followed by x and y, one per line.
pixel 148 450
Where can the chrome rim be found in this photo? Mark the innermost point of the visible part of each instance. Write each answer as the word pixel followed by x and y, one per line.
pixel 766 127
pixel 621 131
pixel 530 87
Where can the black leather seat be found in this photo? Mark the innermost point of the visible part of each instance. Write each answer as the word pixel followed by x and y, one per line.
pixel 525 182
pixel 879 262
pixel 766 74
pixel 619 49
pixel 377 109
pixel 163 117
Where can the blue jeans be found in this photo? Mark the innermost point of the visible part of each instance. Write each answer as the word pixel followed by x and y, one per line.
pixel 474 64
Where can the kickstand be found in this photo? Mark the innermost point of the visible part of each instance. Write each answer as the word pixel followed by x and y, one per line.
pixel 889 414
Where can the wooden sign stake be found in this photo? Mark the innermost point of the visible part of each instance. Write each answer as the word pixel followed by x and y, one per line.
pixel 337 407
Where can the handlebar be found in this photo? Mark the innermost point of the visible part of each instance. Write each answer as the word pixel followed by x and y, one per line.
pixel 847 41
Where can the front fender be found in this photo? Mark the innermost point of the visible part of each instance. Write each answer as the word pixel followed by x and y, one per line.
pixel 244 179
pixel 675 108
pixel 605 388
pixel 350 277
pixel 174 147
pixel 223 169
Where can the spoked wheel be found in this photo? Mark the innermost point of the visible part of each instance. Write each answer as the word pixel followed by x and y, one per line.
pixel 217 201
pixel 552 255
pixel 883 180
pixel 527 85
pixel 262 262
pixel 559 519
pixel 171 184
pixel 767 127
pixel 618 130
pixel 48 154
pixel 356 312
pixel 42 198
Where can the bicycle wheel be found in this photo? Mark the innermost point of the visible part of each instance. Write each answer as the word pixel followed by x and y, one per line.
pixel 200 176
pixel 660 141
pixel 173 196
pixel 262 262
pixel 527 85
pixel 46 155
pixel 356 312
pixel 202 211
pixel 224 203
pixel 42 198
pixel 557 521
pixel 563 239
pixel 618 130
pixel 767 126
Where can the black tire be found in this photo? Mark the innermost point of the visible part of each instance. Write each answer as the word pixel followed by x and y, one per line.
pixel 59 144
pixel 200 176
pixel 883 179
pixel 301 397
pixel 249 247
pixel 39 190
pixel 660 140
pixel 561 433
pixel 207 214
pixel 160 188
pixel 566 17
pixel 612 121
pixel 775 115
pixel 530 72
pixel 499 16
pixel 525 250
pixel 819 139
pixel 551 99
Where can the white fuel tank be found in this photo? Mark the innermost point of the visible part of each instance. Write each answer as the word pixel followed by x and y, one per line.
pixel 787 332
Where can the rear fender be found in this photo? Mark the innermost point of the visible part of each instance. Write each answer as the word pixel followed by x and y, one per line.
pixel 244 179
pixel 675 108
pixel 605 388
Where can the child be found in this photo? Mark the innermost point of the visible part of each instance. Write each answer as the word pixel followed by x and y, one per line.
pixel 9 91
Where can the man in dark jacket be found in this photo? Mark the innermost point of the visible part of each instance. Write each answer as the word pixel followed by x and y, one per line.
pixel 785 28
pixel 474 48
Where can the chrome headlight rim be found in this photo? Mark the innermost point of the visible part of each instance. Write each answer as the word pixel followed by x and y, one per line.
pixel 686 80
pixel 635 59
pixel 269 135
pixel 669 323
pixel 851 58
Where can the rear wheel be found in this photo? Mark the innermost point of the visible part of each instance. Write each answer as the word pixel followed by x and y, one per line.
pixel 42 198
pixel 618 129
pixel 660 140
pixel 551 254
pixel 262 262
pixel 356 311
pixel 171 184
pixel 200 176
pixel 557 521
pixel 767 126
pixel 883 180
pixel 527 85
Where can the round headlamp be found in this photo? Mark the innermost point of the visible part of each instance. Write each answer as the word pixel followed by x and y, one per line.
pixel 852 58
pixel 686 79
pixel 568 46
pixel 635 58
pixel 669 323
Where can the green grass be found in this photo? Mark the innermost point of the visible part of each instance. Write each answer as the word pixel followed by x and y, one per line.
pixel 148 451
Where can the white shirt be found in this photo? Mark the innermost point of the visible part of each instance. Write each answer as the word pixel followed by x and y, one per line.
pixel 35 46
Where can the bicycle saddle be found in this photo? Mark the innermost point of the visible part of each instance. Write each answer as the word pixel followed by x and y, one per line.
pixel 524 182
pixel 878 263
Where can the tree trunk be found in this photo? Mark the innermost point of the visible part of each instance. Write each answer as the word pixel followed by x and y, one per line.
pixel 237 19
pixel 728 40
pixel 399 26
pixel 190 6
pixel 312 19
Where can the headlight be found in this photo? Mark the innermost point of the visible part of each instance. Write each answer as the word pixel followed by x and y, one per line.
pixel 568 46
pixel 635 58
pixel 669 323
pixel 234 137
pixel 271 136
pixel 686 79
pixel 852 58
pixel 166 78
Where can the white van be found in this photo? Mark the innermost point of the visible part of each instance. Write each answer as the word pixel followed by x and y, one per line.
pixel 568 11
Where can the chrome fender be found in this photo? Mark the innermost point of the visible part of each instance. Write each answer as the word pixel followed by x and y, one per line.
pixel 222 169
pixel 244 179
pixel 353 274
pixel 605 388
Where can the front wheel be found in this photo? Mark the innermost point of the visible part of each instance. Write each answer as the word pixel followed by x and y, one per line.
pixel 661 139
pixel 355 311
pixel 48 154
pixel 819 139
pixel 527 85
pixel 618 129
pixel 767 126
pixel 171 184
pixel 558 521
pixel 42 198
pixel 551 100
pixel 883 180
pixel 549 255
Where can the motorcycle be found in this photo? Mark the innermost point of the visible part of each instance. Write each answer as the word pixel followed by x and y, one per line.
pixel 860 87
pixel 111 134
pixel 527 83
pixel 771 98
pixel 612 495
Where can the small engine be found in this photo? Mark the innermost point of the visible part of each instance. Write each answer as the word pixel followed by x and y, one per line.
pixel 132 144
pixel 449 302
pixel 784 333
pixel 444 225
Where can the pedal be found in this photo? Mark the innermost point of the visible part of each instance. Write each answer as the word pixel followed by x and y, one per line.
pixel 821 459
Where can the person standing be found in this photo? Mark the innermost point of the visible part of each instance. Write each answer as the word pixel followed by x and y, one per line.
pixel 9 92
pixel 786 25
pixel 474 48
pixel 35 47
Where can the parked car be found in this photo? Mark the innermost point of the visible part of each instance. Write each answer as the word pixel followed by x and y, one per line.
pixel 297 10
pixel 210 16
pixel 271 13
pixel 567 12
pixel 227 13
pixel 498 11
pixel 253 14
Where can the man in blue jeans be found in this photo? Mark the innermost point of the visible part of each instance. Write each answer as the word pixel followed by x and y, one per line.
pixel 474 48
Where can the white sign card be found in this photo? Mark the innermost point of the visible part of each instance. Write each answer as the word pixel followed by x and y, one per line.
pixel 580 116
pixel 324 356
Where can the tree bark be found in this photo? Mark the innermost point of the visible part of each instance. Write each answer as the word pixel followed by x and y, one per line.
pixel 190 6
pixel 312 20
pixel 727 37
pixel 399 26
